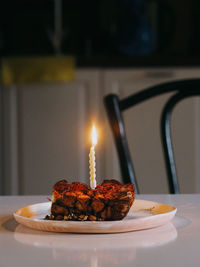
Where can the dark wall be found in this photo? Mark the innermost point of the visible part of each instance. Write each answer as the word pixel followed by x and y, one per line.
pixel 106 27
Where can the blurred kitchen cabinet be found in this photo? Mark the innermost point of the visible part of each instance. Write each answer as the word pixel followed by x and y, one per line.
pixel 143 130
pixel 47 134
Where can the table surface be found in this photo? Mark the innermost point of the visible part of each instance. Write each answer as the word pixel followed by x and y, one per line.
pixel 174 244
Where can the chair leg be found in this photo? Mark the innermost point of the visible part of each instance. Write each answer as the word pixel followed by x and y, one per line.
pixel 117 126
pixel 167 144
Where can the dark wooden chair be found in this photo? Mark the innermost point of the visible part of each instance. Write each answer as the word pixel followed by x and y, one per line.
pixel 115 106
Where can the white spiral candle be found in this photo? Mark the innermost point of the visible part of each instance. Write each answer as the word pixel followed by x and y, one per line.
pixel 92 168
pixel 92 163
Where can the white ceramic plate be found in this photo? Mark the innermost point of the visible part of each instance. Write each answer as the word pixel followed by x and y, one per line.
pixel 143 215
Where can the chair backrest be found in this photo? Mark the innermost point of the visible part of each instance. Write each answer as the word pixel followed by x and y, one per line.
pixel 115 106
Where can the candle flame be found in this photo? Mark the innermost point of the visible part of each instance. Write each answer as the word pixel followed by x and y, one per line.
pixel 94 136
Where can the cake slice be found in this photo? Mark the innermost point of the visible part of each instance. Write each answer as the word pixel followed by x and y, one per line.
pixel 109 201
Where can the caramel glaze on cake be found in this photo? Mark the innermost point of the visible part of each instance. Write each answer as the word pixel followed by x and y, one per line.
pixel 109 201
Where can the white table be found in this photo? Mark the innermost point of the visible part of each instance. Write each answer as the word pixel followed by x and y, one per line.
pixel 175 244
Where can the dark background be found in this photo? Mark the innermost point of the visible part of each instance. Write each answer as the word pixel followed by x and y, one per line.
pixel 105 32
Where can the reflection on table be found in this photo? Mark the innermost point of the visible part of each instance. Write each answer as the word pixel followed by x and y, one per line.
pixel 95 249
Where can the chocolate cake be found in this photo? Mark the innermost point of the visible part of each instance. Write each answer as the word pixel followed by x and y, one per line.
pixel 78 202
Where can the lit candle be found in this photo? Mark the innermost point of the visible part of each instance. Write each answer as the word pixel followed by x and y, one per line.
pixel 92 159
